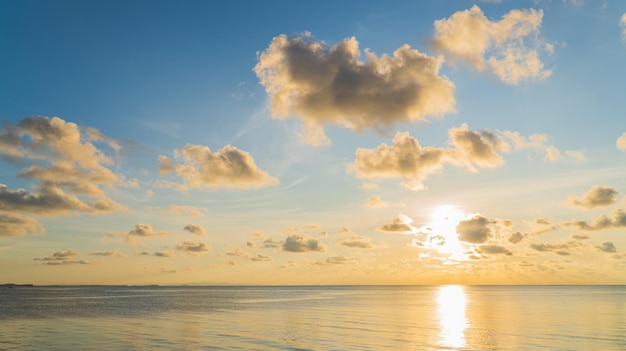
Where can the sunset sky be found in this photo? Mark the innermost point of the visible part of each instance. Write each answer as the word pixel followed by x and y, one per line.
pixel 260 142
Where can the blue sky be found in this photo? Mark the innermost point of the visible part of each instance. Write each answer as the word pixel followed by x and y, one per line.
pixel 277 208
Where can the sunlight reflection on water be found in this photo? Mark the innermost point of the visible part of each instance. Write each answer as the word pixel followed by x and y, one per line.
pixel 451 305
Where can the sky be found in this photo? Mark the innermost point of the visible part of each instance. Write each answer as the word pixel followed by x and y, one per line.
pixel 369 142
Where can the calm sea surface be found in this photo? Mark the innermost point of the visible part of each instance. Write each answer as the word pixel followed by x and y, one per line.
pixel 314 318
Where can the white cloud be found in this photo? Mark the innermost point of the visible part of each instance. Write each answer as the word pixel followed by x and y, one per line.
pixel 226 168
pixel 508 48
pixel 324 85
pixel 190 211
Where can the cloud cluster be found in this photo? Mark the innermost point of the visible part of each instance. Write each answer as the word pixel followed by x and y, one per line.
pixel 226 168
pixel 617 220
pixel 67 165
pixel 62 257
pixel 330 85
pixel 598 196
pixel 508 48
pixel 302 243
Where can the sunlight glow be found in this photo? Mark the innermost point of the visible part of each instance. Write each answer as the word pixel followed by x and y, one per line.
pixel 451 305
pixel 443 235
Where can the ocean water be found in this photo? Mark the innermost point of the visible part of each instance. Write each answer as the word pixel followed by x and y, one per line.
pixel 314 318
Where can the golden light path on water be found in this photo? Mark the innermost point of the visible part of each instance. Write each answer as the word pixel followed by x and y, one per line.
pixel 451 305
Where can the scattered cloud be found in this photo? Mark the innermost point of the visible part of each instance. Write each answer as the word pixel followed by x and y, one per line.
pixel 493 250
pixel 194 247
pixel 597 197
pixel 226 168
pixel 401 224
pixel 164 254
pixel 340 259
pixel 508 48
pixel 375 202
pixel 558 248
pixel 114 253
pixel 63 257
pixel 581 237
pixel 238 253
pixel 302 243
pixel 323 85
pixel 356 242
pixel 617 220
pixel 195 229
pixel 17 225
pixel 607 247
pixel 140 230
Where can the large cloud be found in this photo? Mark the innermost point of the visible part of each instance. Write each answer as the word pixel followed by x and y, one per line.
pixel 226 168
pixel 406 159
pixel 62 157
pixel 508 48
pixel 476 230
pixel 331 85
pixel 597 196
pixel 18 225
pixel 302 243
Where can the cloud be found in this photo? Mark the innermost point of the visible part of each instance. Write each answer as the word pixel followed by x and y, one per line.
pixel 401 224
pixel 194 247
pixel 164 254
pixel 558 248
pixel 139 231
pixel 62 257
pixel 476 230
pixel 581 237
pixel 51 200
pixel 340 259
pixel 375 202
pixel 617 220
pixel 622 23
pixel 114 253
pixel 61 155
pixel 607 247
pixel 598 196
pixel 323 85
pixel 537 141
pixel 195 229
pixel 406 159
pixel 226 168
pixel 620 143
pixel 261 258
pixel 493 250
pixel 190 211
pixel 17 225
pixel 501 47
pixel 369 185
pixel 238 253
pixel 516 237
pixel 356 242
pixel 302 243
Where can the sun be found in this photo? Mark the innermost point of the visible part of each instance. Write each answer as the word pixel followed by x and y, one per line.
pixel 442 228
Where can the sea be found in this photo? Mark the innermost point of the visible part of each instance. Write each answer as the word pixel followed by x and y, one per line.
pixel 302 318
